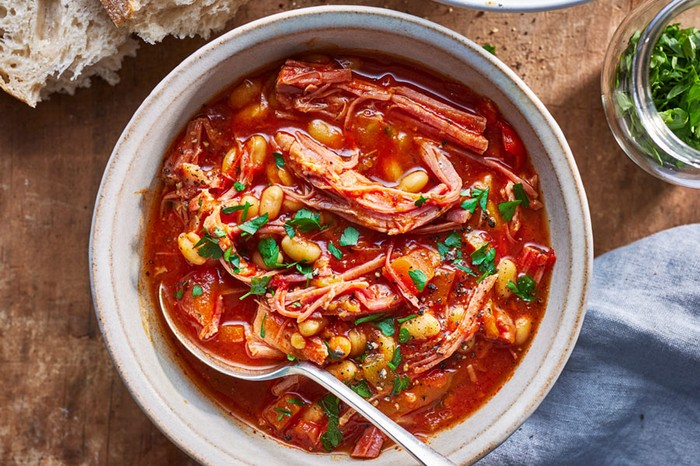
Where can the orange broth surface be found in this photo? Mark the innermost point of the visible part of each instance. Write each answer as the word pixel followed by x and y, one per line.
pixel 387 148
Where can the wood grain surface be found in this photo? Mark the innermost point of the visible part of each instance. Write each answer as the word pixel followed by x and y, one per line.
pixel 61 400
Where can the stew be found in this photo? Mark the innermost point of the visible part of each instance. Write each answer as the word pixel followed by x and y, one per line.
pixel 363 214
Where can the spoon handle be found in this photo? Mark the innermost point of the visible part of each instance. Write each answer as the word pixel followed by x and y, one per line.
pixel 419 450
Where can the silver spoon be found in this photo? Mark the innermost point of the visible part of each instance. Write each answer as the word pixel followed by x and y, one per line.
pixel 419 450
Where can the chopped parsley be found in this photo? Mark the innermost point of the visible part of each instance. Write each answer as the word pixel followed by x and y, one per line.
pixel 250 227
pixel 386 326
pixel 337 253
pixel 233 259
pixel 525 288
pixel 453 241
pixel 279 159
pixel 521 195
pixel 219 232
pixel 291 358
pixel 283 412
pixel 269 251
pixel 507 209
pixel 490 48
pixel 349 237
pixel 290 230
pixel 197 291
pixel 208 247
pixel 244 208
pixel 401 383
pixel 419 279
pixel 396 359
pixel 332 437
pixel 483 258
pixel 401 320
pixel 262 326
pixel 404 335
pixel 238 186
pixel 369 318
pixel 465 269
pixel 421 200
pixel 179 293
pixel 674 67
pixel 362 389
pixel 305 221
pixel 333 354
pixel 479 197
pixel 258 286
pixel 296 401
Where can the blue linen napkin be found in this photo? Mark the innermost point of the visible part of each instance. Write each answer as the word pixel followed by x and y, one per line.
pixel 630 394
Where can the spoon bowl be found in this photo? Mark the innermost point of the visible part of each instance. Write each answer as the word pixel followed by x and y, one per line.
pixel 419 450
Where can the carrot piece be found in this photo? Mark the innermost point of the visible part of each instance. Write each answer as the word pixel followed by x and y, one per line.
pixel 280 413
pixel 423 260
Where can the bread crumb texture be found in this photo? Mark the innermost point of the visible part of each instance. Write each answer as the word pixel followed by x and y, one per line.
pixel 152 20
pixel 57 46
pixel 51 46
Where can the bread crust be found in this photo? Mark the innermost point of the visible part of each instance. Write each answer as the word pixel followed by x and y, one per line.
pixel 119 11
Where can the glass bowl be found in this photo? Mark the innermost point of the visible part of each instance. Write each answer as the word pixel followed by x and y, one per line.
pixel 627 99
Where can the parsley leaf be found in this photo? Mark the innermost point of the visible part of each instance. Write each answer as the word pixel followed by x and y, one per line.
pixel 401 383
pixel 419 279
pixel 483 258
pixel 283 412
pixel 233 259
pixel 362 389
pixel 238 186
pixel 197 291
pixel 525 289
pixel 305 221
pixel 479 198
pixel 521 195
pixel 453 241
pixel 250 227
pixel 232 209
pixel 219 232
pixel 337 253
pixel 421 200
pixel 332 437
pixel 333 354
pixel 349 237
pixel 395 359
pixel 490 48
pixel 258 286
pixel 369 318
pixel 507 209
pixel 269 251
pixel 296 401
pixel 179 293
pixel 386 326
pixel 465 269
pixel 289 229
pixel 208 247
pixel 404 335
pixel 279 159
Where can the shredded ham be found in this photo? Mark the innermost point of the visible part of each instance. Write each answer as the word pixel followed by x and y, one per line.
pixel 369 445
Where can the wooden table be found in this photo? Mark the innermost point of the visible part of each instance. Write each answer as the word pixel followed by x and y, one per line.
pixel 61 400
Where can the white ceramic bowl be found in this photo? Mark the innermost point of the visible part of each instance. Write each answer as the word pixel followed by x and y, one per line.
pixel 514 6
pixel 133 336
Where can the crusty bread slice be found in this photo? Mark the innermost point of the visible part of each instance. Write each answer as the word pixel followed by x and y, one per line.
pixel 152 20
pixel 57 45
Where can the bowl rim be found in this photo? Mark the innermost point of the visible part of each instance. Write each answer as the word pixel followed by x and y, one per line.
pixel 514 6
pixel 99 259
